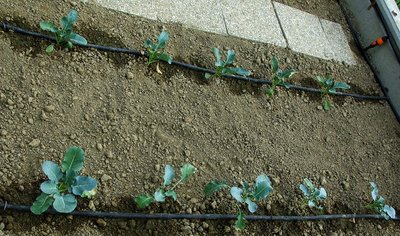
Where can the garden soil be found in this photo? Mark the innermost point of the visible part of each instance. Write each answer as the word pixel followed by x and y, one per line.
pixel 132 121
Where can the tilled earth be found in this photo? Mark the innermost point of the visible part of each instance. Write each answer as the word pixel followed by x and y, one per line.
pixel 131 121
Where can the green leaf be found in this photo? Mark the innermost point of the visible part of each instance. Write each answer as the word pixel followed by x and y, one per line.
pixel 288 73
pixel 240 223
pixel 77 39
pixel 69 20
pixel 82 184
pixel 240 71
pixel 274 64
pixel 70 45
pixel 218 57
pixel 159 195
pixel 169 175
pixel 165 57
pixel 213 187
pixel 49 187
pixel 69 177
pixel 262 187
pixel 321 79
pixel 327 104
pixel 64 203
pixel 41 204
pixel 149 44
pixel 187 170
pixel 341 85
pixel 48 26
pixel 208 75
pixel 252 206
pixel 171 193
pixel 230 57
pixel 73 159
pixel 329 81
pixel 50 48
pixel 143 200
pixel 52 170
pixel 237 194
pixel 270 92
pixel 162 39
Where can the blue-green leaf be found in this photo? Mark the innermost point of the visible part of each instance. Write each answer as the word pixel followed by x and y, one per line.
pixel 41 204
pixel 218 57
pixel 82 184
pixel 69 177
pixel 143 200
pixel 240 71
pixel 73 159
pixel 77 39
pixel 69 20
pixel 187 171
pixel 329 81
pixel 169 175
pixel 327 104
pixel 274 64
pixel 49 187
pixel 262 187
pixel 374 191
pixel 48 26
pixel 162 40
pixel 288 73
pixel 207 75
pixel 149 44
pixel 321 79
pixel 165 57
pixel 305 190
pixel 159 195
pixel 252 206
pixel 64 203
pixel 171 193
pixel 230 57
pixel 240 223
pixel 237 193
pixel 52 170
pixel 322 194
pixel 390 211
pixel 213 187
pixel 341 85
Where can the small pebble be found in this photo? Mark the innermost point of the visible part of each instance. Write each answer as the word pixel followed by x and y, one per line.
pixel 34 143
pixel 101 222
pixel 49 108
pixel 129 75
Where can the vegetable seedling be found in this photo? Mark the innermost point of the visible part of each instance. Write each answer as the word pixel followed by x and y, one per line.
pixel 64 183
pixel 144 200
pixel 378 204
pixel 225 67
pixel 313 196
pixel 279 77
pixel 248 195
pixel 64 36
pixel 156 52
pixel 329 86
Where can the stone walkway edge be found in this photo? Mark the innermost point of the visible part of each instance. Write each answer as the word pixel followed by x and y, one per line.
pixel 263 21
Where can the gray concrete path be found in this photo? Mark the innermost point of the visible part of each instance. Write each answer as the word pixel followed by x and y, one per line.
pixel 258 20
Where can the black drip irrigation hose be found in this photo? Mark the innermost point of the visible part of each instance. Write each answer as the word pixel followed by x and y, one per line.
pixel 6 27
pixel 166 216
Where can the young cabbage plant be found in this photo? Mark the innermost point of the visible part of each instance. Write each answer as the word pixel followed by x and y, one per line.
pixel 313 196
pixel 156 52
pixel 144 200
pixel 279 77
pixel 378 204
pixel 247 195
pixel 64 36
pixel 64 183
pixel 225 67
pixel 329 86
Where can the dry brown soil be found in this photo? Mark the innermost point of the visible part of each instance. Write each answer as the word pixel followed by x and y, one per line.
pixel 132 121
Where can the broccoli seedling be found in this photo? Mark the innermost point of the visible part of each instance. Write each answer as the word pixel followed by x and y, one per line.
pixel 313 196
pixel 64 183
pixel 378 204
pixel 329 86
pixel 224 67
pixel 247 195
pixel 144 200
pixel 279 77
pixel 156 52
pixel 64 36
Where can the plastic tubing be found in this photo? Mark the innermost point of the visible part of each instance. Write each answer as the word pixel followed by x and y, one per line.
pixel 167 216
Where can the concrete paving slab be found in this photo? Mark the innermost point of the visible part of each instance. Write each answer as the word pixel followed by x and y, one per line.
pixel 144 8
pixel 255 20
pixel 338 42
pixel 303 31
pixel 200 14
